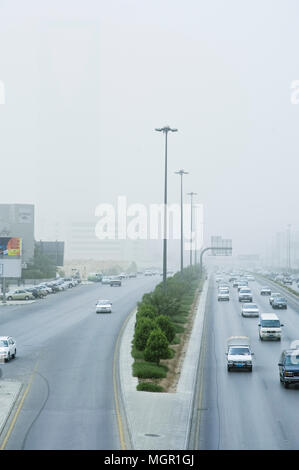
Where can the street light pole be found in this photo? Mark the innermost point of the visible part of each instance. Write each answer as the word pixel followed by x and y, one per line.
pixel 182 172
pixel 165 131
pixel 191 194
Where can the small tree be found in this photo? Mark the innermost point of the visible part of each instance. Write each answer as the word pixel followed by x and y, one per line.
pixel 143 328
pixel 146 310
pixel 156 346
pixel 166 326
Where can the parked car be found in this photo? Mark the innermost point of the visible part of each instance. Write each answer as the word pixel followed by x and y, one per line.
pixel 269 326
pixel 250 310
pixel 279 302
pixel 289 367
pixel 19 294
pixel 239 354
pixel 8 348
pixel 103 306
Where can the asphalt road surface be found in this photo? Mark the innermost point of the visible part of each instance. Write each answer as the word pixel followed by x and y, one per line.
pixel 65 352
pixel 243 410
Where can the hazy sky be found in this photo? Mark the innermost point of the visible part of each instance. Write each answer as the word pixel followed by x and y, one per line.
pixel 86 83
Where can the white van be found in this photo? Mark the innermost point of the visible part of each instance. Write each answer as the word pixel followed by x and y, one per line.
pixel 269 326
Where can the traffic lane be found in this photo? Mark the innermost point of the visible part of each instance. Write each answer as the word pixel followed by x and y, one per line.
pixel 242 409
pixel 71 401
pixel 38 323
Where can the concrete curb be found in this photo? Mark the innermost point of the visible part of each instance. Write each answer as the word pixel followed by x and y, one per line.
pixel 17 302
pixel 161 420
pixel 9 393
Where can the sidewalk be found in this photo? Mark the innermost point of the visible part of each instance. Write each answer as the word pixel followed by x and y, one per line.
pixel 9 392
pixel 161 421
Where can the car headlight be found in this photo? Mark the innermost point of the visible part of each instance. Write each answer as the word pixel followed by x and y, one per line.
pixel 288 374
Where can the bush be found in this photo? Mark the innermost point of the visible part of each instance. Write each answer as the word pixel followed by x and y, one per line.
pixel 146 310
pixel 144 370
pixel 149 387
pixel 166 326
pixel 156 347
pixel 143 328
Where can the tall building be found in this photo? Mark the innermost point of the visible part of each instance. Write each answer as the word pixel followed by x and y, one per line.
pixel 17 220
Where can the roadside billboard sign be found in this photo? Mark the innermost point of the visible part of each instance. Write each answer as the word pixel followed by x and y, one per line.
pixel 10 246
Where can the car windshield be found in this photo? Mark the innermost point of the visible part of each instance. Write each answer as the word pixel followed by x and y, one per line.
pixel 238 351
pixel 279 299
pixel 104 302
pixel 251 306
pixel 270 323
pixel 292 359
pixel 245 291
pixel 3 343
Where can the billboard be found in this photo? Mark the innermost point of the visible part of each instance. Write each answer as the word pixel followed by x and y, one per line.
pixel 10 268
pixel 10 246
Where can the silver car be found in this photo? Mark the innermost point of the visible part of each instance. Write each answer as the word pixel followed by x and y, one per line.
pixel 250 310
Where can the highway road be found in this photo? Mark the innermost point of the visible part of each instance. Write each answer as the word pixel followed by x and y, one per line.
pixel 243 410
pixel 65 355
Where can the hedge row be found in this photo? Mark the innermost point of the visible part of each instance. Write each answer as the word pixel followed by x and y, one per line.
pixel 160 317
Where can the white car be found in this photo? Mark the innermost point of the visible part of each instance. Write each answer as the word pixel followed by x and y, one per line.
pixel 239 355
pixel 265 291
pixel 269 327
pixel 8 348
pixel 223 294
pixel 103 306
pixel 250 310
pixel 245 295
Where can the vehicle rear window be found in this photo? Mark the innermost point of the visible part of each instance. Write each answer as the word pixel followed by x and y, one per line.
pixel 3 343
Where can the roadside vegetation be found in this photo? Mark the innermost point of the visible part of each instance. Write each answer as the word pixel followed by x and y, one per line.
pixel 162 321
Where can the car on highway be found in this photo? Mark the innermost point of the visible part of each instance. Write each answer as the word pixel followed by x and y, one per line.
pixel 279 302
pixel 8 348
pixel 235 283
pixel 103 306
pixel 269 327
pixel 242 285
pixel 115 281
pixel 288 281
pixel 265 291
pixel 245 295
pixel 223 294
pixel 250 310
pixel 106 280
pixel 19 294
pixel 289 367
pixel 239 354
pixel 273 294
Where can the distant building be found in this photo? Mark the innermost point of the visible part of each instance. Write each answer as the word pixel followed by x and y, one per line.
pixel 17 220
pixel 54 251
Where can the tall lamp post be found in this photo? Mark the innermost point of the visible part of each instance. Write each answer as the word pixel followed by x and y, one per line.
pixel 181 173
pixel 191 194
pixel 165 131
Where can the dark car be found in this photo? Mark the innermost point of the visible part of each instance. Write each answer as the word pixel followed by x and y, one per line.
pixel 289 367
pixel 35 292
pixel 279 302
pixel 115 281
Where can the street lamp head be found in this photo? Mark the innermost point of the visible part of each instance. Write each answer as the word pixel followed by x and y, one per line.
pixel 181 172
pixel 165 129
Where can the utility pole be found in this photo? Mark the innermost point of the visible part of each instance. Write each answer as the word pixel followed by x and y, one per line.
pixel 191 194
pixel 181 173
pixel 165 131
